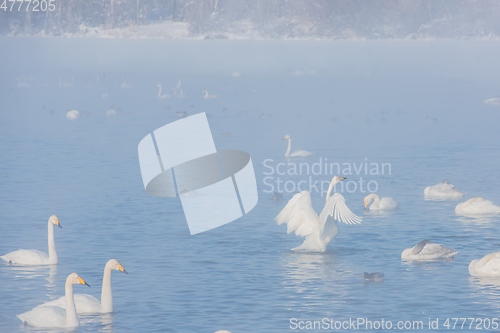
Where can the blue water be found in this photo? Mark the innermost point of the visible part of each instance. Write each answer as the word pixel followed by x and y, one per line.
pixel 242 276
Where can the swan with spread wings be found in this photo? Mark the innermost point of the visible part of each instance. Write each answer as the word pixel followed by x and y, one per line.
pixel 319 231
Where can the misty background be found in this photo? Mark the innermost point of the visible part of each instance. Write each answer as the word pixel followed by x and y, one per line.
pixel 259 19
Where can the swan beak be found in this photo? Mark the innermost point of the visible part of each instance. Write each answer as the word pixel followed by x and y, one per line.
pixel 83 282
pixel 366 204
pixel 342 178
pixel 58 224
pixel 120 267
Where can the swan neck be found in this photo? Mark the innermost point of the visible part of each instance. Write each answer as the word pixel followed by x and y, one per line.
pixel 106 293
pixel 330 188
pixel 159 92
pixel 52 245
pixel 289 147
pixel 206 94
pixel 71 317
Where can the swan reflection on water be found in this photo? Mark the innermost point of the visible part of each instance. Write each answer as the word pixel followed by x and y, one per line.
pixel 48 272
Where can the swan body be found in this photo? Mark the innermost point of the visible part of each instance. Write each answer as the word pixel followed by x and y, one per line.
pixel 54 316
pixel 86 303
pixel 21 84
pixel 64 84
pixel 72 115
pixel 207 95
pixel 319 231
pixel 426 250
pixel 492 101
pixel 443 189
pixel 296 153
pixel 477 206
pixel 34 257
pixel 125 85
pixel 385 203
pixel 489 265
pixel 160 96
pixel 111 112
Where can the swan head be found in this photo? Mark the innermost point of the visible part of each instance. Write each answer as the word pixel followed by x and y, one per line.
pixel 335 180
pixel 369 198
pixel 286 137
pixel 114 264
pixel 158 86
pixel 74 278
pixel 55 220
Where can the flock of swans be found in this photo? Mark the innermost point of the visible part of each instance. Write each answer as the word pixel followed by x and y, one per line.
pixel 63 311
pixel 319 230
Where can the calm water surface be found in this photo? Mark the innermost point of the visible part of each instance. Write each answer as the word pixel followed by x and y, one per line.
pixel 348 102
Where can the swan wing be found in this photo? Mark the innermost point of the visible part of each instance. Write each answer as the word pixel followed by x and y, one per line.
pixel 335 206
pixel 299 215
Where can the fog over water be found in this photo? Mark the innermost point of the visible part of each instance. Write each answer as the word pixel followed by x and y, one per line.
pixel 416 107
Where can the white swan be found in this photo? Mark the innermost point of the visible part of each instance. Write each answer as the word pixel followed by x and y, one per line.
pixel 125 85
pixel 160 96
pixel 385 203
pixel 207 95
pixel 426 250
pixel 319 231
pixel 86 303
pixel 297 152
pixel 477 206
pixel 21 84
pixel 492 101
pixel 64 84
pixel 180 93
pixel 54 316
pixel 442 190
pixel 72 115
pixel 489 265
pixel 34 257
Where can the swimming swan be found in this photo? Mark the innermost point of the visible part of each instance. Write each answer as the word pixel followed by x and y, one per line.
pixel 385 203
pixel 375 277
pixel 489 265
pixel 160 96
pixel 477 206
pixel 319 231
pixel 297 152
pixel 54 316
pixel 426 250
pixel 34 257
pixel 443 189
pixel 72 114
pixel 86 303
pixel 125 85
pixel 492 101
pixel 209 95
